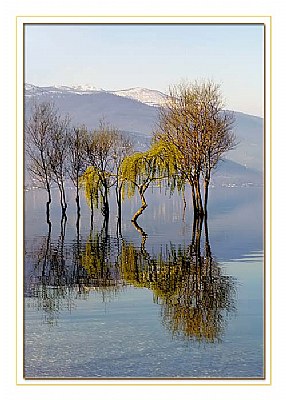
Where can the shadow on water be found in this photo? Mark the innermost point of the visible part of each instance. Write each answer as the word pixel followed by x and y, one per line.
pixel 195 295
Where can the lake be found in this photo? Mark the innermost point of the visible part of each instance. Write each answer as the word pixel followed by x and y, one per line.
pixel 170 298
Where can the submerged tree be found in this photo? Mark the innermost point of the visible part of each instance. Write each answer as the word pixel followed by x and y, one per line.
pixel 76 159
pixel 38 132
pixel 122 149
pixel 46 147
pixel 58 156
pixel 139 170
pixel 99 149
pixel 91 183
pixel 105 149
pixel 194 121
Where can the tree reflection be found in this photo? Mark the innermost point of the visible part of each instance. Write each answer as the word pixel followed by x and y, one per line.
pixel 194 293
pixel 50 289
pixel 99 259
pixel 63 272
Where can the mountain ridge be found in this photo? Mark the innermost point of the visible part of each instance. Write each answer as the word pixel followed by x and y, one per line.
pixel 146 96
pixel 151 97
pixel 138 115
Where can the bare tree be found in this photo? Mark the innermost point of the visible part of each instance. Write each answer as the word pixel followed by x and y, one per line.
pixel 122 148
pixel 76 159
pixel 38 131
pixel 58 156
pixel 194 123
pixel 99 154
pixel 105 149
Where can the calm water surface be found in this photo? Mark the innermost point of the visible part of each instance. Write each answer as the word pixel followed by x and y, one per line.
pixel 168 298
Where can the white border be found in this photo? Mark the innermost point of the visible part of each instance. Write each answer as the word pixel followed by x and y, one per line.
pixel 157 19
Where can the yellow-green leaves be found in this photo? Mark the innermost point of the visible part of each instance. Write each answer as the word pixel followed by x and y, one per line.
pixel 158 163
pixel 90 181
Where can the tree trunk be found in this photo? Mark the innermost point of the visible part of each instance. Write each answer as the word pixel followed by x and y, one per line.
pixel 197 231
pixel 206 195
pixel 197 253
pixel 140 230
pixel 91 212
pixel 77 200
pixel 144 204
pixel 48 204
pixel 209 259
pixel 199 210
pixel 118 200
pixel 47 251
pixel 118 190
pixel 185 205
pixel 195 205
pixel 105 207
pixel 62 198
pixel 105 228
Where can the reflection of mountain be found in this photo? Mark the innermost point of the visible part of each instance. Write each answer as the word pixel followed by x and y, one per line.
pixel 190 286
pixel 135 112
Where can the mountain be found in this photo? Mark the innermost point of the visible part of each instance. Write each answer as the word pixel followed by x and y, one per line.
pixel 230 173
pixel 89 107
pixel 135 111
pixel 249 131
pixel 147 96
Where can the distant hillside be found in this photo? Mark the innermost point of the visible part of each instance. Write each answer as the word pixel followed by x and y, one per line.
pixel 135 111
pixel 229 172
pixel 89 109
pixel 249 132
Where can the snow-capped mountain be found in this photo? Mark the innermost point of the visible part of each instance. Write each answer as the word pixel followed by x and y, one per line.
pixel 146 96
pixel 32 90
pixel 136 111
pixel 149 97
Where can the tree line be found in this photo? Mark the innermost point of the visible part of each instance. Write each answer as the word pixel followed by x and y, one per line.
pixel 192 134
pixel 90 159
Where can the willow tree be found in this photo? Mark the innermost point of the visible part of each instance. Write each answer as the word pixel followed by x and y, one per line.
pixel 92 184
pixel 105 149
pixel 194 121
pixel 141 169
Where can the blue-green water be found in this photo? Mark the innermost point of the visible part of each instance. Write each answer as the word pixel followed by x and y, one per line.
pixel 99 304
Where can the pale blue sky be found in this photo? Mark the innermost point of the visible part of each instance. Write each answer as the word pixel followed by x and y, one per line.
pixel 154 56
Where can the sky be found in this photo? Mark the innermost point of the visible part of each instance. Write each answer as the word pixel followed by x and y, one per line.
pixel 121 56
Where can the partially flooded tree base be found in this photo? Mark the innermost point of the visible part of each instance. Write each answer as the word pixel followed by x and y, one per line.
pixel 139 212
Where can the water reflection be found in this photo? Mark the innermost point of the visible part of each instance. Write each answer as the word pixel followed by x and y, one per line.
pixel 50 287
pixel 187 282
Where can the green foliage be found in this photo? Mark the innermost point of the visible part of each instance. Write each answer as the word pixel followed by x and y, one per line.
pixel 91 181
pixel 158 163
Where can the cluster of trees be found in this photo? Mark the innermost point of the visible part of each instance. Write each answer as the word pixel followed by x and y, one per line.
pixel 193 133
pixel 196 128
pixel 90 159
